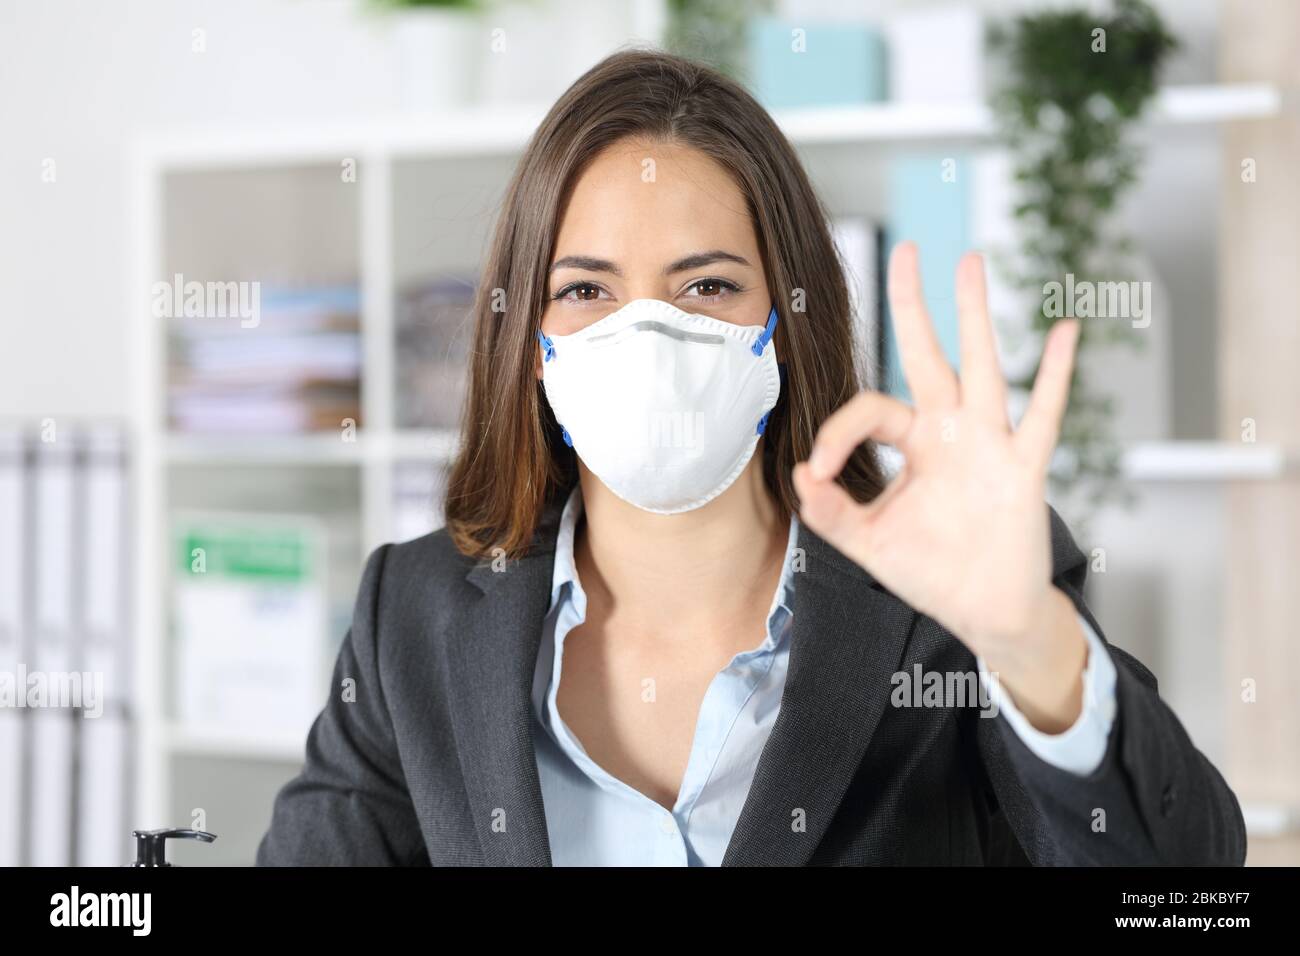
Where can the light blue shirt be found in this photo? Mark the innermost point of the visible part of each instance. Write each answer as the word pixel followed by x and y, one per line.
pixel 595 819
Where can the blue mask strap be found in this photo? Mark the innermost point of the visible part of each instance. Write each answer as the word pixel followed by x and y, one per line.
pixel 769 330
pixel 548 347
pixel 780 368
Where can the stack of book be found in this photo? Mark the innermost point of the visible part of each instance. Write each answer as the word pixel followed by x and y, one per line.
pixel 294 367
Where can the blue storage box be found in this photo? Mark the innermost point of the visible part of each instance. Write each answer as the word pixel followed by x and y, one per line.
pixel 838 64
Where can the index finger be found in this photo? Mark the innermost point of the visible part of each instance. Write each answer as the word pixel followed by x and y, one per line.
pixel 866 415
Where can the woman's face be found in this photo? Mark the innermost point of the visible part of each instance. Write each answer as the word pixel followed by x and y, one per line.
pixel 654 221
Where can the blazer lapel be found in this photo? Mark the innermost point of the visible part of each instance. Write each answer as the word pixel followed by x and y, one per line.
pixel 492 654
pixel 847 640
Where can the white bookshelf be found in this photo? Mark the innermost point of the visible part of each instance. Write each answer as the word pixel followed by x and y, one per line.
pixel 504 132
pixel 383 149
pixel 1190 461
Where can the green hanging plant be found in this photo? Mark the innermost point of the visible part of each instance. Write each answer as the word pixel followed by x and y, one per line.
pixel 1077 82
pixel 713 32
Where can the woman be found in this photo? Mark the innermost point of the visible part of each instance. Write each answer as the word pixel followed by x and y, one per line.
pixel 676 616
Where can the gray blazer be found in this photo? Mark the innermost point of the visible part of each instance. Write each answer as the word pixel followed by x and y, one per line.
pixel 423 753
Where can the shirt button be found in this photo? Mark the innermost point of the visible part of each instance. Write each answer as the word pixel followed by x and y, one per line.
pixel 668 824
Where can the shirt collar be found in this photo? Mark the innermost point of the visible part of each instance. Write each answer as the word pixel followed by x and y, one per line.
pixel 566 571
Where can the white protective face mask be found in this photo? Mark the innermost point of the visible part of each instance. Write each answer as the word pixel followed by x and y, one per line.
pixel 664 406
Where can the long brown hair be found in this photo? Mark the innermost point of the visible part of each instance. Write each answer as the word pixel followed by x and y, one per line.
pixel 511 459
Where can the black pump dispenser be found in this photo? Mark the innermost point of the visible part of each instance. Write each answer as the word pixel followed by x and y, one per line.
pixel 151 845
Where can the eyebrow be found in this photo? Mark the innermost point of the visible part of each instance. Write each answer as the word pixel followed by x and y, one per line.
pixel 697 259
pixel 692 261
pixel 590 263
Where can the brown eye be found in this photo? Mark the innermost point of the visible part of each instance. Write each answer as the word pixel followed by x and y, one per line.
pixel 711 288
pixel 579 292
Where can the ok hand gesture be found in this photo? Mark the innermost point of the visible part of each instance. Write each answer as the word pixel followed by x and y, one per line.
pixel 962 532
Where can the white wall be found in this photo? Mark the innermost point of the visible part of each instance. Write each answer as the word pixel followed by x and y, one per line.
pixel 79 79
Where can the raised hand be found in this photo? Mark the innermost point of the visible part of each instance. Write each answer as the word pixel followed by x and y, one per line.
pixel 962 531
